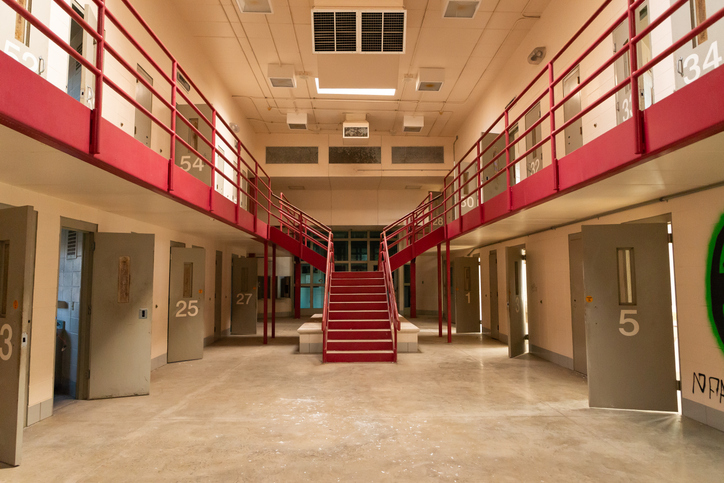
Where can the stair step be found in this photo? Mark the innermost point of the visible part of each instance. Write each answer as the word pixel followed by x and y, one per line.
pixel 358 334
pixel 360 356
pixel 335 314
pixel 358 290
pixel 359 324
pixel 358 297
pixel 359 345
pixel 357 275
pixel 357 305
pixel 355 282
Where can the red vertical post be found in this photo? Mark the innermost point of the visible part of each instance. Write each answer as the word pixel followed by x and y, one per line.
pixel 213 160
pixel 633 60
pixel 266 287
pixel 98 103
pixel 552 120
pixel 274 290
pixel 507 162
pixel 413 289
pixel 256 194
pixel 449 294
pixel 172 157
pixel 479 170
pixel 238 179
pixel 297 288
pixel 439 289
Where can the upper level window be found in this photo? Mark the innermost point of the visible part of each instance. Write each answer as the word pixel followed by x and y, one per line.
pixel 22 26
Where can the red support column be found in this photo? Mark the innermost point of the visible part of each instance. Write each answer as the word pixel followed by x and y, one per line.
pixel 274 290
pixel 266 286
pixel 413 289
pixel 97 116
pixel 634 65
pixel 439 289
pixel 449 294
pixel 297 288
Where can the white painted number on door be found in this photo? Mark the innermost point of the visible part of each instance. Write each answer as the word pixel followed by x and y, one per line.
pixel 468 296
pixel 712 61
pixel 240 298
pixel 6 329
pixel 628 320
pixel 185 309
pixel 186 164
pixel 13 52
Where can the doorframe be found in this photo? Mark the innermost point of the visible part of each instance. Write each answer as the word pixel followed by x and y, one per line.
pixel 494 314
pixel 574 330
pixel 218 293
pixel 86 290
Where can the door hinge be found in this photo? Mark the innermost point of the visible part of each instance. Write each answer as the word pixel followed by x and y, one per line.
pixel 678 385
pixel 671 238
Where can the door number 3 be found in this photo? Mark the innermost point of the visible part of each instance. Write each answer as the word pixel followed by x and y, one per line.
pixel 6 329
pixel 628 320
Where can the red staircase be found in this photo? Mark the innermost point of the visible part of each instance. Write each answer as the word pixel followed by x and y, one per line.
pixel 359 327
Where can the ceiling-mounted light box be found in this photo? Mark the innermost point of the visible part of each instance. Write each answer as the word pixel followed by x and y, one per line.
pixel 459 8
pixel 255 6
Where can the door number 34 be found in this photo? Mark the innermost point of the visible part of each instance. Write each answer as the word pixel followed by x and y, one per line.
pixel 625 320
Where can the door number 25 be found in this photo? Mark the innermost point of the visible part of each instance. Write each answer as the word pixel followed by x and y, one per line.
pixel 625 320
pixel 187 309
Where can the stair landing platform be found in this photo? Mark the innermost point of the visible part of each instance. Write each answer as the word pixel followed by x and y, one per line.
pixel 310 336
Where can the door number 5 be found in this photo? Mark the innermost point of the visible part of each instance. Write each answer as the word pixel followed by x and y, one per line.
pixel 628 320
pixel 8 342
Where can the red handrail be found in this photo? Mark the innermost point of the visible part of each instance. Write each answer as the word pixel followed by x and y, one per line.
pixel 385 267
pixel 327 284
pixel 422 220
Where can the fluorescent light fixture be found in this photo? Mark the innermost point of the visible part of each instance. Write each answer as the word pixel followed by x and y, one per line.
pixel 355 92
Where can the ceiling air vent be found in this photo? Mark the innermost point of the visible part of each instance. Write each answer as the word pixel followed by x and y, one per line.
pixel 430 80
pixel 359 31
pixel 460 9
pixel 413 123
pixel 255 6
pixel 356 130
pixel 297 120
pixel 281 76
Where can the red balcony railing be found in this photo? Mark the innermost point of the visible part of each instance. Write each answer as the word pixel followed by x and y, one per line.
pixel 493 155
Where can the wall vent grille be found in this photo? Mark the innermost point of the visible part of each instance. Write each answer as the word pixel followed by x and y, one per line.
pixel 358 31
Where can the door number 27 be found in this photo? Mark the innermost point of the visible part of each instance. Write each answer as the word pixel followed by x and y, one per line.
pixel 624 320
pixel 243 298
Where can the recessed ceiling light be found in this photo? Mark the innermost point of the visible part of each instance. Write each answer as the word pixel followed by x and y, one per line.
pixel 354 92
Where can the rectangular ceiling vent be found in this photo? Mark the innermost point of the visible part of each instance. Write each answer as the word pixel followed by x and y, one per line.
pixel 281 76
pixel 370 32
pixel 255 6
pixel 413 123
pixel 356 130
pixel 297 120
pixel 460 9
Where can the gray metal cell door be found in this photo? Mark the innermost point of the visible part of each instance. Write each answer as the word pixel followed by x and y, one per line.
pixel 621 70
pixel 186 304
pixel 578 303
pixel 534 161
pixel 516 306
pixel 121 314
pixel 703 53
pixel 243 291
pixel 499 184
pixel 574 132
pixel 629 327
pixel 493 278
pixel 142 127
pixel 467 295
pixel 17 264
pixel 218 282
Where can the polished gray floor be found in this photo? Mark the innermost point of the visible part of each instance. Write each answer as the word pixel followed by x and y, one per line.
pixel 459 412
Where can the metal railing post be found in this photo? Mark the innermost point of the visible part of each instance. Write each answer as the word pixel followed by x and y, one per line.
pixel 552 121
pixel 213 161
pixel 633 60
pixel 507 162
pixel 98 103
pixel 172 156
pixel 238 179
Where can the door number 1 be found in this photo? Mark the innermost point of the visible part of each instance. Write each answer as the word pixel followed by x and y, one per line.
pixel 628 320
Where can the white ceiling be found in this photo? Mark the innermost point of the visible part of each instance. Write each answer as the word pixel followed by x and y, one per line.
pixel 241 46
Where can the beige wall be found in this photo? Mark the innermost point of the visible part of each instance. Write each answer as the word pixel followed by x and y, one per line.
pixel 50 210
pixel 693 220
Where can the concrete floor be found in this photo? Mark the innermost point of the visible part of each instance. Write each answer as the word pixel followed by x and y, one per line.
pixel 460 412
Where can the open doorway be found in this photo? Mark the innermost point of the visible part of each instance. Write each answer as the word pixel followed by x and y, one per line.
pixel 517 301
pixel 80 80
pixel 72 311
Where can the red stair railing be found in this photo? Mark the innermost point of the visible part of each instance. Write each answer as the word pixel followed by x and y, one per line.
pixel 327 285
pixel 385 267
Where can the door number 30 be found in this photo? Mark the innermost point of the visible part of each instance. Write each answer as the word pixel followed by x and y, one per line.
pixel 6 329
pixel 628 320
pixel 185 309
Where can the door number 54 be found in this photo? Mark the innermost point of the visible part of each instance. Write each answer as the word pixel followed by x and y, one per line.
pixel 624 320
